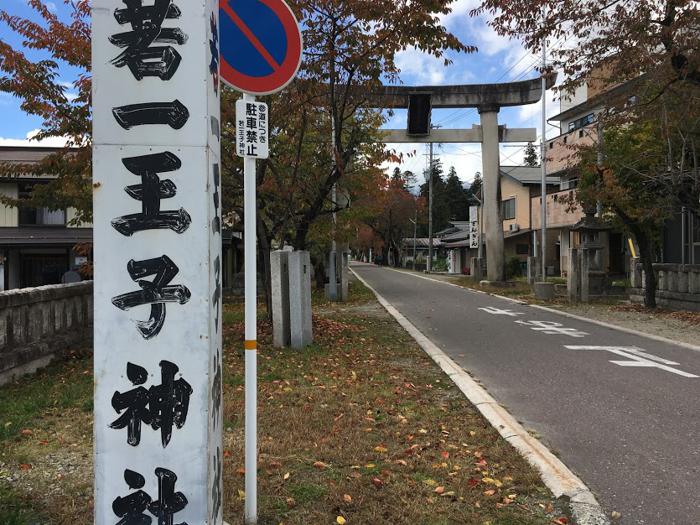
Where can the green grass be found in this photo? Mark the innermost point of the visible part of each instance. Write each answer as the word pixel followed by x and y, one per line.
pixel 60 386
pixel 15 510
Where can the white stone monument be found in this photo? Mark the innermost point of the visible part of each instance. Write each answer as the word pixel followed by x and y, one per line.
pixel 300 299
pixel 157 229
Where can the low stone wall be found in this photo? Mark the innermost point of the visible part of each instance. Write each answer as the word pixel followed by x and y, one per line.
pixel 678 285
pixel 37 324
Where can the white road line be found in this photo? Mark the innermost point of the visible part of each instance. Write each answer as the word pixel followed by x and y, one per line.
pixel 555 474
pixel 611 326
pixel 636 357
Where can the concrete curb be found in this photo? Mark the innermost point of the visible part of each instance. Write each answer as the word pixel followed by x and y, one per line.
pixel 619 328
pixel 555 475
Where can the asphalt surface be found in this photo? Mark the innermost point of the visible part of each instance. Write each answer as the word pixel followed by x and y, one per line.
pixel 632 433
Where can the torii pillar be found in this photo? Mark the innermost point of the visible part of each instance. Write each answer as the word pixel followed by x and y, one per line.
pixel 488 99
pixel 491 195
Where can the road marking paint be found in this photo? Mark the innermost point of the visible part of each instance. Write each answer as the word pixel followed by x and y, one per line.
pixel 497 311
pixel 552 328
pixel 636 357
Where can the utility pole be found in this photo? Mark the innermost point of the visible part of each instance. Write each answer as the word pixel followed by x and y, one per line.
pixel 332 259
pixel 543 244
pixel 430 211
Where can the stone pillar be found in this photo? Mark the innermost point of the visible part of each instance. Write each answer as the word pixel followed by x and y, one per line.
pixel 573 283
pixel 332 288
pixel 279 270
pixel 476 264
pixel 636 273
pixel 301 334
pixel 662 281
pixel 585 268
pixel 493 223
pixel 344 273
pixel 533 270
pixel 682 282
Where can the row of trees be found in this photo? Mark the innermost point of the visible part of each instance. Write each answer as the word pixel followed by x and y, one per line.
pixel 323 127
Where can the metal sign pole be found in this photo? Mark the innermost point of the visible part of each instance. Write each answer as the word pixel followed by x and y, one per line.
pixel 251 345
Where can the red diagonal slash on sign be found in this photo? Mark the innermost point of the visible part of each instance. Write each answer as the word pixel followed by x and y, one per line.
pixel 250 36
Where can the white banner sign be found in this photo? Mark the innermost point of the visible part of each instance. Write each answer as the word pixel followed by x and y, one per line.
pixel 474 227
pixel 157 248
pixel 252 129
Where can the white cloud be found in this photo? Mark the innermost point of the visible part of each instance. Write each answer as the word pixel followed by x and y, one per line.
pixel 53 142
pixel 420 67
pixel 51 6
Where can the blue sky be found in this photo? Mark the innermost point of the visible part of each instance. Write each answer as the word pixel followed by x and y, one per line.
pixel 498 59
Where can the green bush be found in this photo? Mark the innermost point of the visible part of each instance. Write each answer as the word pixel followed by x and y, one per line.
pixel 513 268
pixel 440 265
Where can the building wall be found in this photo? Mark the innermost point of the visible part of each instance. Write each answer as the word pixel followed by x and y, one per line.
pixel 511 188
pixel 574 99
pixel 562 151
pixel 9 216
pixel 558 213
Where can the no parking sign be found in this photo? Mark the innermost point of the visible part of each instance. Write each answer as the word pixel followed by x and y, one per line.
pixel 260 49
pixel 260 45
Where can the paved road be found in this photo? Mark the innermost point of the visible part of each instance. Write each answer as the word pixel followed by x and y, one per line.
pixel 628 423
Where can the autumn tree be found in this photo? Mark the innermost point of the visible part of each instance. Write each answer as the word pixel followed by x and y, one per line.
pixel 649 51
pixel 65 111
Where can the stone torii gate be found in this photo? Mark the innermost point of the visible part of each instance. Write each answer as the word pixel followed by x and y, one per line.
pixel 488 99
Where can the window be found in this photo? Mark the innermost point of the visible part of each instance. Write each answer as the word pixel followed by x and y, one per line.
pixel 565 140
pixel 582 122
pixel 508 209
pixel 522 249
pixel 580 133
pixel 38 216
pixel 551 145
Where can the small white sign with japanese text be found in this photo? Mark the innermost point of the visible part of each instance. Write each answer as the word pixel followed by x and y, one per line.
pixel 252 129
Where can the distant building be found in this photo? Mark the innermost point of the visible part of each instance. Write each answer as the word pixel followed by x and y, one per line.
pixel 680 238
pixel 36 245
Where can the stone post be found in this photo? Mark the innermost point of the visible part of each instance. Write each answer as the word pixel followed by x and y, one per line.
pixel 585 267
pixel 682 283
pixel 301 334
pixel 493 223
pixel 636 273
pixel 573 283
pixel 279 270
pixel 533 270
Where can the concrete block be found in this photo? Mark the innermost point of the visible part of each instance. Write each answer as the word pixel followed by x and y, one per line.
pixel 301 333
pixel 279 266
pixel 533 270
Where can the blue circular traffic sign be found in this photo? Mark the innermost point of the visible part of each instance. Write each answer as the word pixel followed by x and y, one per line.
pixel 260 45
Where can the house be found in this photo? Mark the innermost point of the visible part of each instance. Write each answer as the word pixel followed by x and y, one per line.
pixel 521 186
pixel 37 246
pixel 578 119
